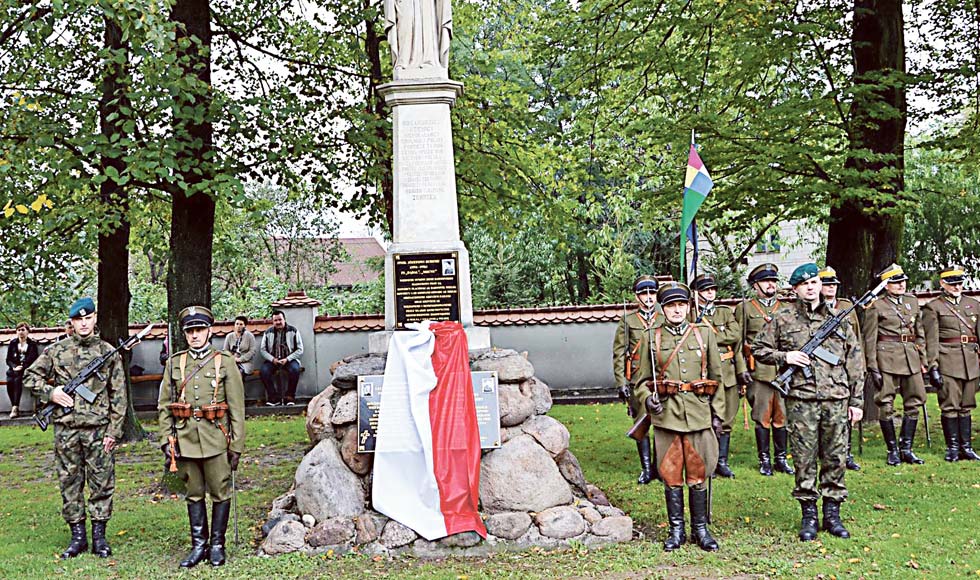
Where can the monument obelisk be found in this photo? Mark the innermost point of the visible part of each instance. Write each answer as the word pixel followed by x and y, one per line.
pixel 427 269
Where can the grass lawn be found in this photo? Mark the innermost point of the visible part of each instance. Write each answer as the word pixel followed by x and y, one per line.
pixel 905 522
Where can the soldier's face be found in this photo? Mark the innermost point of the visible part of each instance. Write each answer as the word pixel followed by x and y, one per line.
pixel 676 312
pixel 647 299
pixel 808 290
pixel 953 290
pixel 829 291
pixel 708 295
pixel 766 288
pixel 197 337
pixel 84 325
pixel 239 326
pixel 895 288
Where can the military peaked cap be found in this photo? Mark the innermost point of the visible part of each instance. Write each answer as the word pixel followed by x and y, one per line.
pixel 195 317
pixel 953 275
pixel 762 272
pixel 893 273
pixel 704 282
pixel 645 283
pixel 829 276
pixel 673 292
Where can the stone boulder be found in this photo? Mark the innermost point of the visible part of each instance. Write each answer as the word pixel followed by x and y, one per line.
pixel 318 414
pixel 509 525
pixel 345 375
pixel 571 470
pixel 325 487
pixel 521 476
pixel 511 366
pixel 359 463
pixel 366 531
pixel 515 408
pixel 287 536
pixel 538 392
pixel 615 528
pixel 560 522
pixel 346 411
pixel 548 432
pixel 396 535
pixel 332 532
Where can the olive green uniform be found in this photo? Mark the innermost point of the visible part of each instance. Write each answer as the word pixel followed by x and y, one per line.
pixel 894 344
pixel 721 321
pixel 951 327
pixel 631 353
pixel 767 405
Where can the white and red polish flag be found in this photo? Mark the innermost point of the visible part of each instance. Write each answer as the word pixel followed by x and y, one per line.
pixel 427 457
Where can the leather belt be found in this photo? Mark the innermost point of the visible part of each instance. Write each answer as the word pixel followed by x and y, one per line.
pixel 962 339
pixel 197 413
pixel 896 338
pixel 728 355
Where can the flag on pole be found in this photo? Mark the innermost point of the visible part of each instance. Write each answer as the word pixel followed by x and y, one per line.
pixel 697 186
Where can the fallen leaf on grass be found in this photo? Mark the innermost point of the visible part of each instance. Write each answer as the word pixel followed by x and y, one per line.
pixel 853 560
pixel 912 564
pixel 879 506
pixel 121 532
pixel 896 535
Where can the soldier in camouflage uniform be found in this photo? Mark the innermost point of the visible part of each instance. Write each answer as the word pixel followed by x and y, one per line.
pixel 895 350
pixel 686 411
pixel 951 326
pixel 768 411
pixel 830 284
pixel 728 333
pixel 819 408
pixel 631 361
pixel 85 438
pixel 202 399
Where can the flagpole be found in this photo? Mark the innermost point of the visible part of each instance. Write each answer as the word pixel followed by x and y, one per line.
pixel 694 229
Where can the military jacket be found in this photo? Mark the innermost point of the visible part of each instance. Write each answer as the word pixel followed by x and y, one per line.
pixel 721 320
pixel 753 316
pixel 944 320
pixel 686 412
pixel 843 304
pixel 631 347
pixel 63 361
pixel 199 437
pixel 899 318
pixel 790 329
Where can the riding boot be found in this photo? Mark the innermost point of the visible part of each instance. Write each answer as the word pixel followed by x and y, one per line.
pixel 698 498
pixel 905 441
pixel 643 449
pixel 219 524
pixel 100 546
pixel 951 433
pixel 675 518
pixel 762 445
pixel 850 463
pixel 79 541
pixel 197 513
pixel 888 434
pixel 723 470
pixel 831 518
pixel 808 524
pixel 779 444
pixel 966 445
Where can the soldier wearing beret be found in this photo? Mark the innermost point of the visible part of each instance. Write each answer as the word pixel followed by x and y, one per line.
pixel 951 326
pixel 829 285
pixel 721 320
pixel 768 411
pixel 894 347
pixel 86 437
pixel 818 407
pixel 202 400
pixel 631 361
pixel 686 410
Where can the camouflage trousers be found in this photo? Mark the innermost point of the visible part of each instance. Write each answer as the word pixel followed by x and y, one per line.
pixel 957 397
pixel 209 474
pixel 686 457
pixel 768 408
pixel 818 433
pixel 81 459
pixel 910 387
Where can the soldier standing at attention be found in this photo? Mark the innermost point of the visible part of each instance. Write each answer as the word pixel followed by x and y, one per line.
pixel 202 399
pixel 631 361
pixel 819 408
pixel 894 346
pixel 686 413
pixel 85 438
pixel 728 333
pixel 828 289
pixel 951 326
pixel 768 411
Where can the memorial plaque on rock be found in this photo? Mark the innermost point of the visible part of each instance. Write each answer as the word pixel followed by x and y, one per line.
pixel 369 404
pixel 426 287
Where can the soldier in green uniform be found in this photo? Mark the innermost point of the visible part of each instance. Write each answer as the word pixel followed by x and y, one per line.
pixel 768 411
pixel 686 411
pixel 631 361
pixel 85 437
pixel 828 289
pixel 202 400
pixel 894 347
pixel 819 408
pixel 721 320
pixel 951 326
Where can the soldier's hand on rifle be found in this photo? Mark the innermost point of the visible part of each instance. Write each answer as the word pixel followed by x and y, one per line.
pixel 166 455
pixel 798 358
pixel 653 405
pixel 625 391
pixel 874 377
pixel 58 396
pixel 855 414
pixel 233 458
pixel 108 443
pixel 744 379
pixel 716 425
pixel 935 379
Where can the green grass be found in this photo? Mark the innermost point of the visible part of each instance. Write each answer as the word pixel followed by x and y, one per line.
pixel 905 522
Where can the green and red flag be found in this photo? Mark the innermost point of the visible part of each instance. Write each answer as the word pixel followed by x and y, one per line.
pixel 697 186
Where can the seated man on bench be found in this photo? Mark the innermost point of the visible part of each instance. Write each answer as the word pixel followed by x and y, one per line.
pixel 281 347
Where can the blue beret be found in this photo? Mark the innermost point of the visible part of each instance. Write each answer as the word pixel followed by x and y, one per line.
pixel 803 273
pixel 81 307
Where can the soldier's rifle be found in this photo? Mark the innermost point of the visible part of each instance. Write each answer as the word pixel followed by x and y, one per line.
pixel 641 428
pixel 814 345
pixel 625 392
pixel 76 386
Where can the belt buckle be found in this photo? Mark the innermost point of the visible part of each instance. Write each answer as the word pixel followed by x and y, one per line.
pixel 964 339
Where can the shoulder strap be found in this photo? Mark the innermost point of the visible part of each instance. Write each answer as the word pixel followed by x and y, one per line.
pixel 957 315
pixel 217 369
pixel 704 353
pixel 680 344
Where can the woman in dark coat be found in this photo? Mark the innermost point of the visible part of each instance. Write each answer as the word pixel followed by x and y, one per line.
pixel 21 353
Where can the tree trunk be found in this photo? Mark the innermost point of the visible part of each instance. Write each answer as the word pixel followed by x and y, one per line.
pixel 866 234
pixel 192 213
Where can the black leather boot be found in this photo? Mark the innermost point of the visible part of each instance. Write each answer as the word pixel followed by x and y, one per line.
pixel 219 523
pixel 849 462
pixel 966 445
pixel 723 470
pixel 906 439
pixel 808 524
pixel 779 443
pixel 197 514
pixel 675 518
pixel 762 445
pixel 888 434
pixel 646 470
pixel 79 541
pixel 831 518
pixel 698 498
pixel 951 433
pixel 100 547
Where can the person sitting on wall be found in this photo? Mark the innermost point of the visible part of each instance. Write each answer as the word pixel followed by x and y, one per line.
pixel 241 343
pixel 281 347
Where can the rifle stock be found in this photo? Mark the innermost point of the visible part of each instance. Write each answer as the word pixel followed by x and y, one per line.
pixel 640 429
pixel 172 440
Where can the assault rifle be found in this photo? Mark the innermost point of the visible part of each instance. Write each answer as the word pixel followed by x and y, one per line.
pixel 77 385
pixel 813 346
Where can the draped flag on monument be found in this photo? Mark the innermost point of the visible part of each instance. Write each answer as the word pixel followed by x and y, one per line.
pixel 697 186
pixel 427 458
